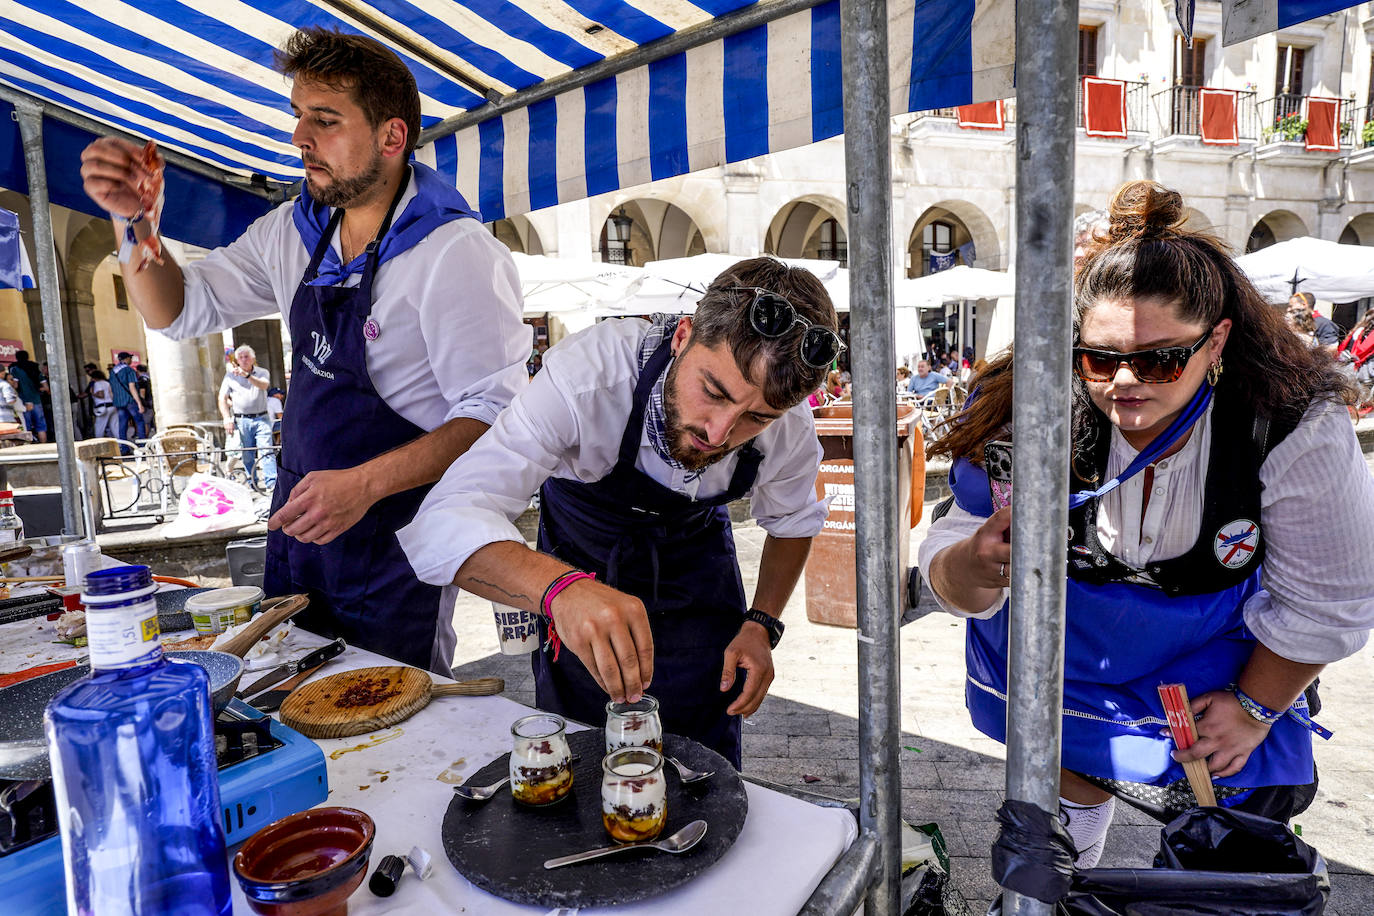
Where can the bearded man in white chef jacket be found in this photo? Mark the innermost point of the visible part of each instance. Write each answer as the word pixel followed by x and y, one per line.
pixel 406 331
pixel 636 434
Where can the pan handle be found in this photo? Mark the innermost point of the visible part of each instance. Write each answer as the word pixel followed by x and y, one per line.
pixel 274 611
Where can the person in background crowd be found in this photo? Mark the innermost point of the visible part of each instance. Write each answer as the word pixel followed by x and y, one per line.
pixel 1326 333
pixel 903 380
pixel 243 405
pixel 1300 323
pixel 101 396
pixel 11 408
pixel 145 396
pixel 1219 537
pixel 30 378
pixel 925 380
pixel 45 397
pixel 276 403
pixel 1356 352
pixel 124 381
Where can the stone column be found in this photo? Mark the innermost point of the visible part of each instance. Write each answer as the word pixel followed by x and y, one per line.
pixel 185 375
pixel 743 227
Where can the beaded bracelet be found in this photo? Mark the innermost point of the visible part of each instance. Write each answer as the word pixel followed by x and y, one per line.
pixel 1263 714
pixel 546 603
pixel 1255 709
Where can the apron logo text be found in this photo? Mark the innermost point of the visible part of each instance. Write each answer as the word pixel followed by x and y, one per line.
pixel 322 347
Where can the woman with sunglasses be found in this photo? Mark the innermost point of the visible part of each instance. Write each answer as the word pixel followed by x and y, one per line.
pixel 1219 530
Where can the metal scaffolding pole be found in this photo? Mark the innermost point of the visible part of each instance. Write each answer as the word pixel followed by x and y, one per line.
pixel 1044 216
pixel 868 168
pixel 54 335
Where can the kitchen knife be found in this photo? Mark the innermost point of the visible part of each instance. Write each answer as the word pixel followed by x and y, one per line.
pixel 271 700
pixel 291 669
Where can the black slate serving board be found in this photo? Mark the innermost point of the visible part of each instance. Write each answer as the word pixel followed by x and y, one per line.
pixel 500 846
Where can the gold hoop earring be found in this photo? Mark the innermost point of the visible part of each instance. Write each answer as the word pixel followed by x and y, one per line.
pixel 1214 372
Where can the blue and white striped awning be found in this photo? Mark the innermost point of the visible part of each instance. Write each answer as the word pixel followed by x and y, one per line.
pixel 197 77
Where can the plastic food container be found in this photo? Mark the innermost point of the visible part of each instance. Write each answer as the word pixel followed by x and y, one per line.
pixel 217 610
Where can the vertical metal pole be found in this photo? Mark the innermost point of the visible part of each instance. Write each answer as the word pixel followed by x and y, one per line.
pixel 868 169
pixel 1047 31
pixel 31 130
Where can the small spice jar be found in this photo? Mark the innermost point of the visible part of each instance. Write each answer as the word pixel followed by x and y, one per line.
pixel 540 760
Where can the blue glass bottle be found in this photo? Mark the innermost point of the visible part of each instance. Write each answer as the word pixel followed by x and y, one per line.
pixel 133 764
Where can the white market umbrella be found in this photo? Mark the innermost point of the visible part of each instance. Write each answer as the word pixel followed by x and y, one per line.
pixel 1327 270
pixel 957 283
pixel 675 284
pixel 569 284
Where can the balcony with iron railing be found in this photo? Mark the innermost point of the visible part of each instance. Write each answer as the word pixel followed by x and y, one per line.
pixel 1137 107
pixel 1179 113
pixel 1284 119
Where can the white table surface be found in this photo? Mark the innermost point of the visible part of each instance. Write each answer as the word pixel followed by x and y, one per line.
pixel 403 778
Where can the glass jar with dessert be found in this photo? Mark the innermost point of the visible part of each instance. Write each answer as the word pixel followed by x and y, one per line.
pixel 540 761
pixel 634 725
pixel 634 797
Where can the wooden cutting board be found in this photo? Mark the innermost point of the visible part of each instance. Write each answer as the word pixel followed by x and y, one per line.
pixel 366 699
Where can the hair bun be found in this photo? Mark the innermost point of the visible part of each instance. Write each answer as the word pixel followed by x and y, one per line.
pixel 1145 210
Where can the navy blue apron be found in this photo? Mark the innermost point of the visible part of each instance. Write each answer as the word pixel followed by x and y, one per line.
pixel 361 586
pixel 675 554
pixel 1122 641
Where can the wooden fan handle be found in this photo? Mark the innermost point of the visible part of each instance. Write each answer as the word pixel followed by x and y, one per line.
pixel 274 611
pixel 481 687
pixel 1201 782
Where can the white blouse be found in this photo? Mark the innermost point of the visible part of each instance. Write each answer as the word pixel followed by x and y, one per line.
pixel 1316 602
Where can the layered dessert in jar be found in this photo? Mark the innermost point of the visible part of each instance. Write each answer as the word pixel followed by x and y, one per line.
pixel 634 802
pixel 540 761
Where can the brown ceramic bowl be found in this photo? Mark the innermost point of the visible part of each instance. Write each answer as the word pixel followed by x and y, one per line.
pixel 306 864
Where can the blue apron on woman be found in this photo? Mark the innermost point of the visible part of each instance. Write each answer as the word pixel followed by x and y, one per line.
pixel 361 586
pixel 675 554
pixel 1128 630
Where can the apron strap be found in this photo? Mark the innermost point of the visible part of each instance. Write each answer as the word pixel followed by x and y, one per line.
pixel 634 426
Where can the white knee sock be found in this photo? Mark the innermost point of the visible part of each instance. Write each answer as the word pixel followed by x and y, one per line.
pixel 1087 824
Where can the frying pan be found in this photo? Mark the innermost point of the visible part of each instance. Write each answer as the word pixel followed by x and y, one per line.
pixel 23 746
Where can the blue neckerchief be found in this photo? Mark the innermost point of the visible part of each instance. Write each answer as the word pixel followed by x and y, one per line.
pixel 1182 423
pixel 655 418
pixel 435 202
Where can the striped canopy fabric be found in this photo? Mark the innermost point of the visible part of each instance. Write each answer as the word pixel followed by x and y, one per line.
pixel 197 77
pixel 1245 19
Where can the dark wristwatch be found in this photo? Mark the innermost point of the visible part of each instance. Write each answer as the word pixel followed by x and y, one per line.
pixel 770 623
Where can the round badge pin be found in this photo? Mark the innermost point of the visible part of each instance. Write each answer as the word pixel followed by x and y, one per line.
pixel 1235 543
pixel 371 329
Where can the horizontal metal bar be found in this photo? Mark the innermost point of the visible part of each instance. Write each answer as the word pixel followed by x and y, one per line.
pixel 844 886
pixel 260 185
pixel 692 37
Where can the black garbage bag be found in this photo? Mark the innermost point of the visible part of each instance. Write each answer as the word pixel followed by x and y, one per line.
pixel 1211 862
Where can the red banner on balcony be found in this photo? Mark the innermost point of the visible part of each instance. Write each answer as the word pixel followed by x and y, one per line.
pixel 1218 116
pixel 1323 120
pixel 1104 107
pixel 983 116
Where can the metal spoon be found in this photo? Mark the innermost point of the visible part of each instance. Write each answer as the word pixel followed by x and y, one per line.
pixel 480 793
pixel 681 841
pixel 686 773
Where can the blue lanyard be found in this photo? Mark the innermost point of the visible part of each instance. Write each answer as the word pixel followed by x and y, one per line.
pixel 1177 429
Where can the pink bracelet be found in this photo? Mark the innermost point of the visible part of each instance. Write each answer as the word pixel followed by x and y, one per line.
pixel 555 588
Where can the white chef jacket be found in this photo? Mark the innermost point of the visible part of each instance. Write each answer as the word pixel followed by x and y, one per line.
pixel 452 340
pixel 1316 602
pixel 568 424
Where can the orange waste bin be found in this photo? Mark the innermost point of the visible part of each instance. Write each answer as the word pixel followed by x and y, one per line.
pixel 830 580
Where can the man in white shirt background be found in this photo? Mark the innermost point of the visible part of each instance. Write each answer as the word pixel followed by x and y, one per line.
pixel 243 405
pixel 636 435
pixel 406 331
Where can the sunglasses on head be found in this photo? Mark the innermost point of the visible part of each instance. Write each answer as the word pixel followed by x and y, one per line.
pixel 771 315
pixel 1152 367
